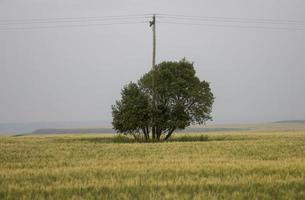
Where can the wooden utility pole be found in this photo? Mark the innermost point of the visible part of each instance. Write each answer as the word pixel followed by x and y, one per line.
pixel 153 25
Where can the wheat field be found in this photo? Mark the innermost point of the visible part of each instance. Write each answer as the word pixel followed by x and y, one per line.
pixel 234 165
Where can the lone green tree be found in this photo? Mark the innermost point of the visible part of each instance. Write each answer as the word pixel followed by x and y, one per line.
pixel 167 98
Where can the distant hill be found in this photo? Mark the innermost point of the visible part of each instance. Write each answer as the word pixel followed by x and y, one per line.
pixel 75 131
pixel 29 127
pixel 290 121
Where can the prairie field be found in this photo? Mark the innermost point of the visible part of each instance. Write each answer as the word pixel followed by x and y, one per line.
pixel 232 165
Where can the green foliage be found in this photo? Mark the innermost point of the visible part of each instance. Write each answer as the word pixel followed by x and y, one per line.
pixel 131 114
pixel 167 98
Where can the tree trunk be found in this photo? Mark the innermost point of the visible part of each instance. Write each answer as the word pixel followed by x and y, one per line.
pixel 147 132
pixel 170 133
pixel 146 136
pixel 144 132
pixel 158 133
pixel 153 132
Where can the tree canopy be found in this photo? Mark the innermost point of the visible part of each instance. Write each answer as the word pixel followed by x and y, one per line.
pixel 167 98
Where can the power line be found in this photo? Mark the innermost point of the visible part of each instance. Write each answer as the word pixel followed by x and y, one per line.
pixel 231 21
pixel 166 16
pixel 257 23
pixel 62 22
pixel 71 26
pixel 70 20
pixel 232 26
pixel 76 18
pixel 286 21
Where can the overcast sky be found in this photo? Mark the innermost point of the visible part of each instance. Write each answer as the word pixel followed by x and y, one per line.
pixel 76 73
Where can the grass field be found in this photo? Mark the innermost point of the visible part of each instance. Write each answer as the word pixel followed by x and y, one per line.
pixel 236 165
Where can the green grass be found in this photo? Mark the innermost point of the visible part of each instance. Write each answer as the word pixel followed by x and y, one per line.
pixel 256 165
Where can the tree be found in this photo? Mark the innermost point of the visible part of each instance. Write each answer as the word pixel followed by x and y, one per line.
pixel 167 98
pixel 132 114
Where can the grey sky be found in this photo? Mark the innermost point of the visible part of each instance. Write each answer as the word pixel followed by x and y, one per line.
pixel 68 74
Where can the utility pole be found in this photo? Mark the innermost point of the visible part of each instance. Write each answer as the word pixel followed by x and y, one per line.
pixel 153 25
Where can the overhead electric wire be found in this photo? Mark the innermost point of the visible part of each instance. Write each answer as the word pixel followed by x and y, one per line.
pixel 62 22
pixel 234 22
pixel 256 23
pixel 231 21
pixel 232 26
pixel 250 20
pixel 76 18
pixel 71 26
pixel 70 20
